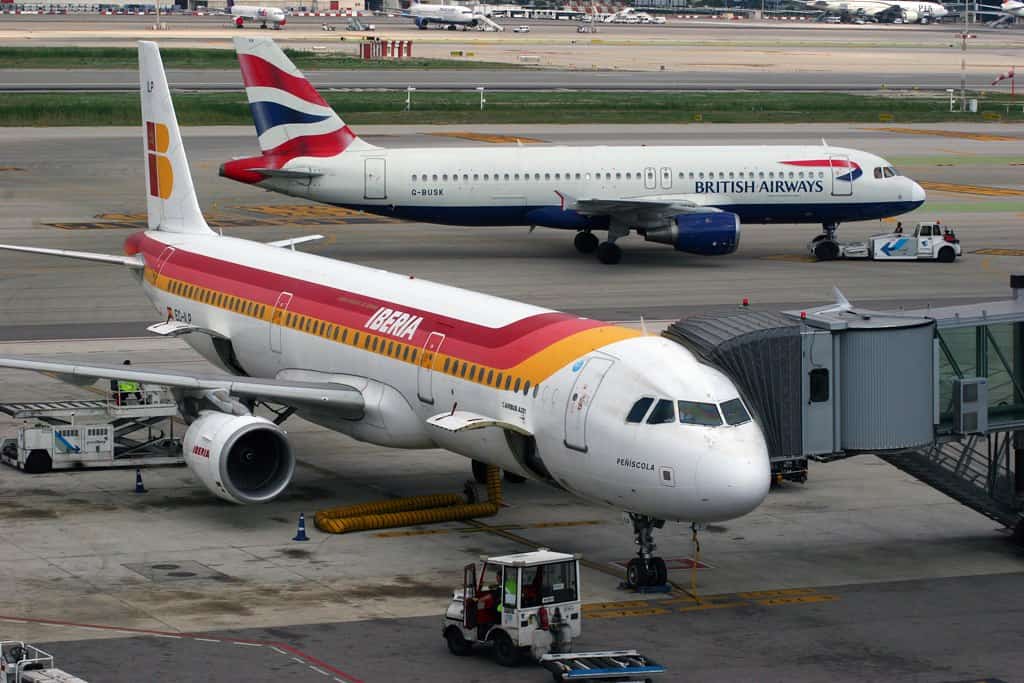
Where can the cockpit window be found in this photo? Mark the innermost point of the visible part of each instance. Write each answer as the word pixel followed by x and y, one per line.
pixel 878 171
pixel 694 413
pixel 735 413
pixel 663 412
pixel 639 409
pixel 889 171
pixel 894 171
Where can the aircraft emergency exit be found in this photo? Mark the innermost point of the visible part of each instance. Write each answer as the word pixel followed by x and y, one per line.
pixel 692 198
pixel 604 412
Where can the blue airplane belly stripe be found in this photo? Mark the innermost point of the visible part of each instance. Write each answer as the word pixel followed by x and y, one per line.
pixel 266 115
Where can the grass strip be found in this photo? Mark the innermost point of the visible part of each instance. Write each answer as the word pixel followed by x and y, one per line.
pixel 109 109
pixel 209 58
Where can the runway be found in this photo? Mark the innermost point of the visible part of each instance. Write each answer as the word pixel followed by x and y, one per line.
pixel 861 574
pixel 116 80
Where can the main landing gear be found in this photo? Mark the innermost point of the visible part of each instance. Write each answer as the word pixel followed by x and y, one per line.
pixel 824 245
pixel 607 252
pixel 646 569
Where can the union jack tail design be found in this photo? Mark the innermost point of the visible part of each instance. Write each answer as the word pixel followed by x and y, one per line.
pixel 292 119
pixel 1003 77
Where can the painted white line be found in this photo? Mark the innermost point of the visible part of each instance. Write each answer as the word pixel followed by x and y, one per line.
pixel 207 640
pixel 279 651
pixel 339 680
pixel 166 635
pixel 248 644
pixel 300 661
pixel 16 621
pixel 93 628
pixel 319 671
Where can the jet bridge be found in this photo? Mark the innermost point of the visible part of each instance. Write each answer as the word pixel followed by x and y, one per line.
pixel 937 393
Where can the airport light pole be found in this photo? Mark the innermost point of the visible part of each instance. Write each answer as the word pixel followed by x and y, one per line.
pixel 951 98
pixel 408 97
pixel 482 100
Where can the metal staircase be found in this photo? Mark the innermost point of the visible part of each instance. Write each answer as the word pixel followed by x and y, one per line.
pixel 977 471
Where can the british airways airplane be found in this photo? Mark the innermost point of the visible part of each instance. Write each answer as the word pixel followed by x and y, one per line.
pixel 692 198
pixel 604 412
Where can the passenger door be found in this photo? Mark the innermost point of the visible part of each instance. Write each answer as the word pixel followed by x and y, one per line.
pixel 666 178
pixel 650 178
pixel 284 299
pixel 842 175
pixel 580 398
pixel 376 179
pixel 424 374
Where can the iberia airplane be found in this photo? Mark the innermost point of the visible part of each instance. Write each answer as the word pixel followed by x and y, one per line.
pixel 600 411
pixel 693 198
pixel 240 14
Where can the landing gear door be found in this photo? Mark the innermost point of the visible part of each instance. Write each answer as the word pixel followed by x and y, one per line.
pixel 376 183
pixel 842 175
pixel 284 299
pixel 580 398
pixel 424 373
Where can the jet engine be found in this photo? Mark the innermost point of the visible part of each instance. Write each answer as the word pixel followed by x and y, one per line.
pixel 910 16
pixel 700 233
pixel 421 23
pixel 240 458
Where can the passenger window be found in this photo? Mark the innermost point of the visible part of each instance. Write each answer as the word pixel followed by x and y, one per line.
pixel 376 343
pixel 497 382
pixel 517 384
pixel 663 413
pixel 462 372
pixel 414 177
pixel 735 412
pixel 355 339
pixel 693 413
pixel 435 177
pixel 447 364
pixel 639 409
pixel 344 336
pixel 508 381
pixel 476 176
pixel 391 348
pixel 526 388
pixel 819 385
pixel 490 376
pixel 472 373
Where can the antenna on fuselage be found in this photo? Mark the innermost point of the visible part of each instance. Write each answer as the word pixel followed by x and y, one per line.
pixel 643 326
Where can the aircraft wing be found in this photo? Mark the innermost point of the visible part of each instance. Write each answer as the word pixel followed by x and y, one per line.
pixel 346 400
pixel 650 208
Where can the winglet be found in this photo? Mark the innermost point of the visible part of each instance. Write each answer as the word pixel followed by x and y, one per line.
pixel 842 303
pixel 171 198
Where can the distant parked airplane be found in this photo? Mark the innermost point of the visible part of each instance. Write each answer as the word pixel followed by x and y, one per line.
pixel 910 11
pixel 451 16
pixel 274 16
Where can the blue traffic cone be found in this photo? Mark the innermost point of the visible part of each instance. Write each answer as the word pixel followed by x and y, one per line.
pixel 139 488
pixel 300 535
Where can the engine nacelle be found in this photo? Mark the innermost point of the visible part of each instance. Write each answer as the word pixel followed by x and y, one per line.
pixel 700 233
pixel 911 16
pixel 240 458
pixel 421 23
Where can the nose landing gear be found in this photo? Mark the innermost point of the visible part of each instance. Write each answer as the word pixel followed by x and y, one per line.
pixel 645 570
pixel 824 245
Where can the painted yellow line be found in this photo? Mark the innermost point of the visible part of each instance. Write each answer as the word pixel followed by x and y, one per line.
pixel 1001 252
pixel 981 137
pixel 470 530
pixel 972 189
pixel 487 137
pixel 712 605
pixel 625 604
pixel 12 168
pixel 647 612
pixel 759 595
pixel 797 600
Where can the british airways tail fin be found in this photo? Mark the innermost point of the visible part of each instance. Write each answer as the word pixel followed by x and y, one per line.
pixel 171 198
pixel 291 117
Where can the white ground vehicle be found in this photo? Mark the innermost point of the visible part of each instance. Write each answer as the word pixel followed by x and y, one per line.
pixel 523 603
pixel 23 663
pixel 928 242
pixel 528 605
pixel 521 29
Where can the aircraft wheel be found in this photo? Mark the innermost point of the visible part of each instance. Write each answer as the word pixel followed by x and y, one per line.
pixel 826 250
pixel 639 573
pixel 609 253
pixel 660 571
pixel 38 462
pixel 585 242
pixel 480 472
pixel 947 255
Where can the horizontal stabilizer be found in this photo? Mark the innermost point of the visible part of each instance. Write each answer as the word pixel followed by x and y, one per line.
pixel 463 420
pixel 130 261
pixel 292 241
pixel 173 328
pixel 286 173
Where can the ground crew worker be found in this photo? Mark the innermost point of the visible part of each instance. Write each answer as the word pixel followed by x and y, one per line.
pixel 510 589
pixel 127 388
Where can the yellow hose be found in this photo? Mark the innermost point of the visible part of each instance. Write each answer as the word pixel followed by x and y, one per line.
pixel 385 514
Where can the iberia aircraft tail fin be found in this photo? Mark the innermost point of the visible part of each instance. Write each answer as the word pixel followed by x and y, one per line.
pixel 292 119
pixel 171 197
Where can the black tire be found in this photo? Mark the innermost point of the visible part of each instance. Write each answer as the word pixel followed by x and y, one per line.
pixel 826 250
pixel 480 472
pixel 947 255
pixel 513 478
pixel 609 253
pixel 38 462
pixel 660 571
pixel 585 242
pixel 457 644
pixel 505 651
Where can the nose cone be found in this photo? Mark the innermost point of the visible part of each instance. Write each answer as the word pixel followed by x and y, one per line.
pixel 734 477
pixel 917 194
